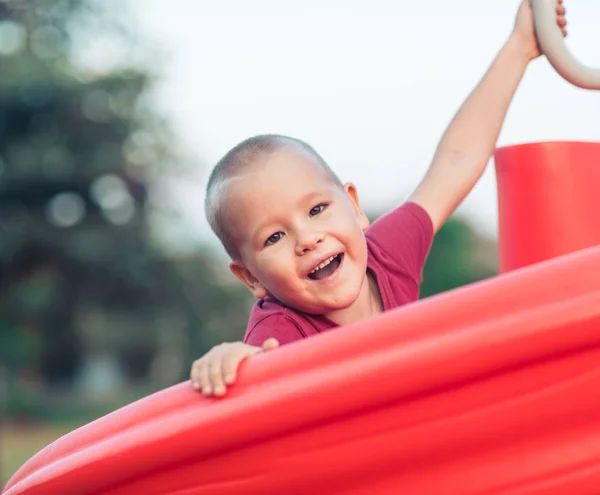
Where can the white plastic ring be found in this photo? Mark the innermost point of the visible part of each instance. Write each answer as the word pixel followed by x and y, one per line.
pixel 552 43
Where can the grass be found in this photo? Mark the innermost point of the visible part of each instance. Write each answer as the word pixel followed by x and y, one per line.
pixel 19 442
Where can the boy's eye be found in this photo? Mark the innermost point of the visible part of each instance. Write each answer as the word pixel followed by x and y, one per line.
pixel 316 210
pixel 274 238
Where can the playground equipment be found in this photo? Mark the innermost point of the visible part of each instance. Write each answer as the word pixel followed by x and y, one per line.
pixel 553 46
pixel 548 200
pixel 491 388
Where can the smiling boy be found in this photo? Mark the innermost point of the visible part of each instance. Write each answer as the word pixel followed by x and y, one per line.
pixel 300 242
pixel 302 245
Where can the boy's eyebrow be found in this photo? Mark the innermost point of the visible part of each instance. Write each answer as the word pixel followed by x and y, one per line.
pixel 309 196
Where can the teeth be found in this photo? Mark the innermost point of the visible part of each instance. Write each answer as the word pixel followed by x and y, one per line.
pixel 324 264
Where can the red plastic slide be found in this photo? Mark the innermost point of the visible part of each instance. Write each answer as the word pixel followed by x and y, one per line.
pixel 488 389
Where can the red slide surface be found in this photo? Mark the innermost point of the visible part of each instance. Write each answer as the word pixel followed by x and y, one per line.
pixel 488 389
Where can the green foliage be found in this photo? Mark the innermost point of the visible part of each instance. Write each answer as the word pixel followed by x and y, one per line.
pixel 458 256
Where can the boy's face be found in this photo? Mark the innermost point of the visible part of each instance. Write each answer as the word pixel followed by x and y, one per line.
pixel 288 217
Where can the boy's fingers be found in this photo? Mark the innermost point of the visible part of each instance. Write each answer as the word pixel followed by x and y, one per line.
pixel 195 373
pixel 194 378
pixel 215 374
pixel 230 367
pixel 212 375
pixel 269 344
pixel 232 362
pixel 200 378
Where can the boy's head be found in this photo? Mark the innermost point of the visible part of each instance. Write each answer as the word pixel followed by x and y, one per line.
pixel 281 213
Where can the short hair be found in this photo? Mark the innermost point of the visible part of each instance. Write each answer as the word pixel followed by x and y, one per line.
pixel 241 157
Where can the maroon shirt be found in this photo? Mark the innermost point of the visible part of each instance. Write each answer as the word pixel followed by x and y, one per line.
pixel 397 245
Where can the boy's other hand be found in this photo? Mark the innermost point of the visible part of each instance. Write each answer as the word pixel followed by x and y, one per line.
pixel 217 369
pixel 524 27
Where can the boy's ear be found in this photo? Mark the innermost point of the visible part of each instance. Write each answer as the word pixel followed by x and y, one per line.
pixel 244 275
pixel 352 194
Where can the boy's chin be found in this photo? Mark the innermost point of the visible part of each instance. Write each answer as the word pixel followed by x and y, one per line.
pixel 341 302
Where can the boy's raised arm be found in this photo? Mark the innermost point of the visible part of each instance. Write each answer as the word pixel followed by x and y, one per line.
pixel 470 139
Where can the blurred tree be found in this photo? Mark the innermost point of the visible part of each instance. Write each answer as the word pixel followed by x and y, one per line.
pixel 80 151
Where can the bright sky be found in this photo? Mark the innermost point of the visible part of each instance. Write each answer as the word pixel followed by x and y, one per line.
pixel 370 84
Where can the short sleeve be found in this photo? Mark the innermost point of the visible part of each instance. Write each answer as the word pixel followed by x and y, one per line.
pixel 275 325
pixel 404 237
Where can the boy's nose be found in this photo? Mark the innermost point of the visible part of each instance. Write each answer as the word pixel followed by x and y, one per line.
pixel 308 241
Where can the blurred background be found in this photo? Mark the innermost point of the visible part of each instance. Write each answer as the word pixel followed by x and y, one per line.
pixel 111 114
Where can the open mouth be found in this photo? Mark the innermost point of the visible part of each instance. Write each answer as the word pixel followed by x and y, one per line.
pixel 327 268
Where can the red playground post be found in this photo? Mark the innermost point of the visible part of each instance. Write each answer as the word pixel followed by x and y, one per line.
pixel 548 200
